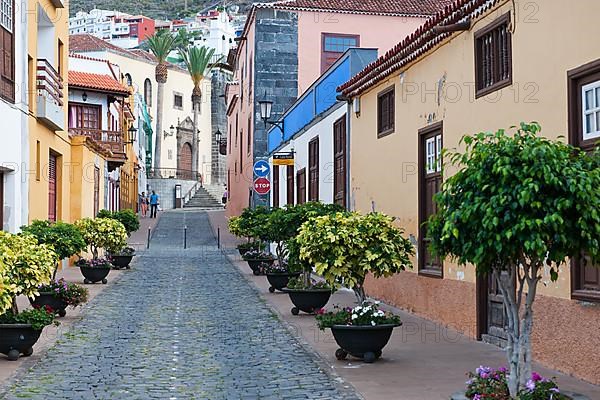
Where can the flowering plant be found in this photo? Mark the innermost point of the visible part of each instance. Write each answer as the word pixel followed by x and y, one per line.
pixel 258 255
pixel 363 315
pixel 94 263
pixel 127 251
pixel 488 383
pixel 300 284
pixel 72 294
pixel 38 318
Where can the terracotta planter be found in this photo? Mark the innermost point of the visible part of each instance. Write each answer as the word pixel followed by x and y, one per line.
pixel 279 281
pixel 308 301
pixel 364 342
pixel 47 299
pixel 17 340
pixel 93 275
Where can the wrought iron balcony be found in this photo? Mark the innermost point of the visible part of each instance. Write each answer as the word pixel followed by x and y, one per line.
pixel 50 104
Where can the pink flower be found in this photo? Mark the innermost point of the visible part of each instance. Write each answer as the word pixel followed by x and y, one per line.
pixel 536 377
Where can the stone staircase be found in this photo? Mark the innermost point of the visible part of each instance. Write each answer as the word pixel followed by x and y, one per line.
pixel 204 199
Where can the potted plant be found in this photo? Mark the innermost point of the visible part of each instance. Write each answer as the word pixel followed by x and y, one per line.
pixel 279 274
pixel 67 241
pixel 308 297
pixel 349 326
pixel 100 234
pixel 131 222
pixel 60 294
pixel 518 204
pixel 249 225
pixel 24 265
pixel 345 247
pixel 258 261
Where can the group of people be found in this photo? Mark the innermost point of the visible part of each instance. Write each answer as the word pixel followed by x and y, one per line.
pixel 151 201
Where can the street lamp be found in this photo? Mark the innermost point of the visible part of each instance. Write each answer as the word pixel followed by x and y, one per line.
pixel 221 142
pixel 131 134
pixel 266 108
pixel 171 131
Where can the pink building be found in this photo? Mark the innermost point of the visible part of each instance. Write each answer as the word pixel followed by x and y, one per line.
pixel 284 48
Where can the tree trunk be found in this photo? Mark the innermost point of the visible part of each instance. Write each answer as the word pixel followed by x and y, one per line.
pixel 196 103
pixel 359 291
pixel 520 324
pixel 14 307
pixel 159 129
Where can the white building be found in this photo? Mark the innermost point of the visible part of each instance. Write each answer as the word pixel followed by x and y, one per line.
pixel 104 24
pixel 15 168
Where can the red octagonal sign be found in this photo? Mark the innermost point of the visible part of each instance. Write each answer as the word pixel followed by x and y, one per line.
pixel 262 186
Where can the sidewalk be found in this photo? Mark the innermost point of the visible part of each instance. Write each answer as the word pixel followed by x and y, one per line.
pixel 52 334
pixel 422 361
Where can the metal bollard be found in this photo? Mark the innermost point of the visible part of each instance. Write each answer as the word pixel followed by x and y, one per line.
pixel 185 237
pixel 148 242
pixel 218 237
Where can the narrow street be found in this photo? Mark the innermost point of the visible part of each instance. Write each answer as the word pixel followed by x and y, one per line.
pixel 182 324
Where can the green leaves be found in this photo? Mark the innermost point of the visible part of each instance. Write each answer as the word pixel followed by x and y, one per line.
pixel 65 239
pixel 518 196
pixel 197 61
pixel 161 44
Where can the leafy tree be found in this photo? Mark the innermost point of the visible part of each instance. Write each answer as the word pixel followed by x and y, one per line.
pixel 160 44
pixel 518 202
pixel 185 38
pixel 345 247
pixel 102 233
pixel 65 239
pixel 127 217
pixel 198 63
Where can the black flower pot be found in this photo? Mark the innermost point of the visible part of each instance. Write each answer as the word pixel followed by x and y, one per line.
pixel 17 339
pixel 364 342
pixel 120 261
pixel 308 301
pixel 59 306
pixel 94 274
pixel 255 265
pixel 279 281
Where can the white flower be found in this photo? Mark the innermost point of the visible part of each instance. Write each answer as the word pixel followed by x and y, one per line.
pixel 373 323
pixel 377 302
pixel 354 316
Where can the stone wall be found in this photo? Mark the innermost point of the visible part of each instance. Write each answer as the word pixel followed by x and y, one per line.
pixel 275 71
pixel 165 189
pixel 219 79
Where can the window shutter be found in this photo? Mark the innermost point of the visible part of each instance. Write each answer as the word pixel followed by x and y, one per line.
pixel 7 67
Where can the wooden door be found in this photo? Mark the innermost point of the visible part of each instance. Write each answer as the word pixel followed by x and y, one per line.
pixel 339 161
pixel 496 314
pixel 301 186
pixel 52 187
pixel 185 161
pixel 313 170
pixel 290 184
pixel 276 186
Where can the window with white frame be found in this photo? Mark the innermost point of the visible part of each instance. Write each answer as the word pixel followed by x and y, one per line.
pixel 591 110
pixel 433 154
pixel 6 14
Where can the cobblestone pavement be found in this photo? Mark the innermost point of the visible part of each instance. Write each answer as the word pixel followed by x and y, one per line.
pixel 182 324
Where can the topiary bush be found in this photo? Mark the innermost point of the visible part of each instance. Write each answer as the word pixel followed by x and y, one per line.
pixel 102 233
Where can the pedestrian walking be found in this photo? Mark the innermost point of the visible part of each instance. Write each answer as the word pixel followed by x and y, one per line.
pixel 144 204
pixel 153 204
pixel 225 196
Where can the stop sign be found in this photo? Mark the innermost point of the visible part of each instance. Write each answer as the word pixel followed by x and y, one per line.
pixel 262 186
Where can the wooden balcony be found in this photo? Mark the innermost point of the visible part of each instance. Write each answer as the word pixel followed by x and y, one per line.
pixel 50 104
pixel 111 143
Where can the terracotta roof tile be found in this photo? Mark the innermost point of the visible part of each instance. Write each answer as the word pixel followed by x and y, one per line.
pixel 100 82
pixel 378 7
pixel 415 45
pixel 81 43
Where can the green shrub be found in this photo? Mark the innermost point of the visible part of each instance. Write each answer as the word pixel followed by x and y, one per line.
pixel 127 217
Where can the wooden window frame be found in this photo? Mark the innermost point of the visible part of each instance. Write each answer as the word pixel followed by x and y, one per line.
pixel 576 80
pixel 313 169
pixel 478 36
pixel 344 157
pixel 433 130
pixel 383 131
pixel 79 115
pixel 324 35
pixel 290 185
pixel 175 96
pixel 7 83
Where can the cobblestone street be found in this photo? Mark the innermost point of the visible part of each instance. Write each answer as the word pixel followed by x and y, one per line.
pixel 182 324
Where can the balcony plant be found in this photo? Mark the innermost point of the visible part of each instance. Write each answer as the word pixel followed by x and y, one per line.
pixel 368 320
pixel 24 266
pixel 67 241
pixel 345 248
pixel 518 204
pixel 131 222
pixel 100 234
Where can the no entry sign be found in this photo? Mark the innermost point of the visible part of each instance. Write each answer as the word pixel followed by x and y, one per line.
pixel 262 186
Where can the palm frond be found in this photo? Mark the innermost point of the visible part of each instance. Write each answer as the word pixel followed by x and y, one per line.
pixel 161 45
pixel 198 62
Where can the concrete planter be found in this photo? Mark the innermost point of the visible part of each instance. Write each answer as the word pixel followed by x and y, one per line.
pixel 366 342
pixel 257 265
pixel 17 340
pixel 93 275
pixel 120 261
pixel 279 281
pixel 309 300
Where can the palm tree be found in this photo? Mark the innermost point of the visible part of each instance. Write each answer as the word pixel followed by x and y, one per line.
pixel 198 63
pixel 160 44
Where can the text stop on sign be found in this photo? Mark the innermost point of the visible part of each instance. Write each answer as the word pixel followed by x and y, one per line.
pixel 262 186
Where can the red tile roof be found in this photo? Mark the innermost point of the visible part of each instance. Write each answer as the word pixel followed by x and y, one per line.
pixel 415 45
pixel 84 42
pixel 377 7
pixel 99 82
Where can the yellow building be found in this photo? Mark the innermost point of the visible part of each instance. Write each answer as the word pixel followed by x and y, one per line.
pixel 50 152
pixel 480 66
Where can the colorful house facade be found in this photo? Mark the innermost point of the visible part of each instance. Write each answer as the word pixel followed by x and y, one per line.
pixel 284 48
pixel 477 67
